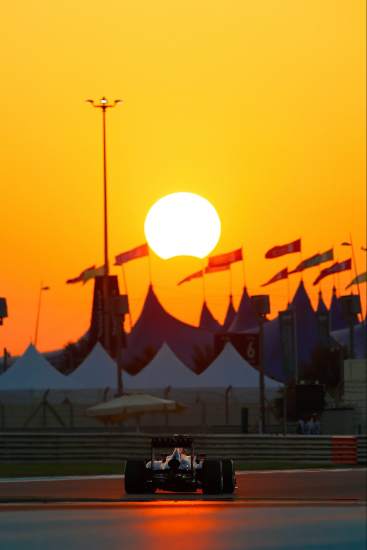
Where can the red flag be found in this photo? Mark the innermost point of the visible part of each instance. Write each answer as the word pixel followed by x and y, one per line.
pixel 133 254
pixel 278 277
pixel 225 259
pixel 283 249
pixel 80 278
pixel 216 268
pixel 195 275
pixel 200 273
pixel 335 268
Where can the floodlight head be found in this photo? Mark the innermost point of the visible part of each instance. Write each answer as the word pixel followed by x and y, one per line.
pixel 3 308
pixel 261 304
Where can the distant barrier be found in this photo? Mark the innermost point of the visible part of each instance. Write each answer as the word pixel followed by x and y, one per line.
pixel 113 447
pixel 344 450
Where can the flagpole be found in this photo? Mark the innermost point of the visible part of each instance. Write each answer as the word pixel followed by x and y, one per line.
pixel 335 279
pixel 320 289
pixel 338 282
pixel 38 316
pixel 127 294
pixel 203 279
pixel 38 313
pixel 289 291
pixel 230 282
pixel 150 268
pixel 301 258
pixel 104 104
pixel 243 268
pixel 355 268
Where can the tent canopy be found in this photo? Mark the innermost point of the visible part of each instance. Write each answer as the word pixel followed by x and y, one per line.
pixel 307 327
pixel 273 356
pixel 164 370
pixel 192 345
pixel 230 315
pixel 207 321
pixel 321 306
pixel 97 371
pixel 31 371
pixel 246 316
pixel 230 369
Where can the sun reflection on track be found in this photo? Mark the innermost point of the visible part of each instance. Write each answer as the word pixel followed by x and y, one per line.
pixel 178 522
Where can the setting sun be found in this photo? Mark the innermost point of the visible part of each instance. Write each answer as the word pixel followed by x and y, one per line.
pixel 182 224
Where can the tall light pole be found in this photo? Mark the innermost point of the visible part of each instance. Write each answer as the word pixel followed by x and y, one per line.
pixel 261 305
pixel 104 104
pixel 42 288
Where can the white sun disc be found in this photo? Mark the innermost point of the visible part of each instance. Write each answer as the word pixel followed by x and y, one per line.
pixel 182 224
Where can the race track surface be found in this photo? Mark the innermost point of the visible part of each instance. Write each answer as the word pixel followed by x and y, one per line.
pixel 294 510
pixel 342 484
pixel 183 526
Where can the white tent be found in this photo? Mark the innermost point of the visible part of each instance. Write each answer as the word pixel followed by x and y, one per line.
pixel 32 372
pixel 164 370
pixel 230 369
pixel 97 372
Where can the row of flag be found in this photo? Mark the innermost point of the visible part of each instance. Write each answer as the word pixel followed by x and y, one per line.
pixel 337 267
pixel 120 259
pixel 223 262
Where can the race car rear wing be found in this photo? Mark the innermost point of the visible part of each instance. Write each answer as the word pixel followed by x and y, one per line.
pixel 172 441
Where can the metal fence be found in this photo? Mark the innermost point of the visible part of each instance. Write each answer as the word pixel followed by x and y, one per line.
pixel 114 447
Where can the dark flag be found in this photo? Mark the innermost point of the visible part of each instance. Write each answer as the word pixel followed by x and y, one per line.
pixel 81 277
pixel 278 277
pixel 201 273
pixel 327 256
pixel 335 268
pixel 314 260
pixel 362 278
pixel 283 249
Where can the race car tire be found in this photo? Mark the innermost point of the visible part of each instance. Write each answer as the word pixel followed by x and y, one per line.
pixel 229 478
pixel 135 477
pixel 212 480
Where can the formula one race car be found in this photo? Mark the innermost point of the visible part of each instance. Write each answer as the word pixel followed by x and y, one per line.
pixel 179 470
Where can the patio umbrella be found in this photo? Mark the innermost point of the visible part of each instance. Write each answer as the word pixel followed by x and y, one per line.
pixel 124 406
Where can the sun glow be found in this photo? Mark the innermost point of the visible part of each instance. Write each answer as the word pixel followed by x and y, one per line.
pixel 182 224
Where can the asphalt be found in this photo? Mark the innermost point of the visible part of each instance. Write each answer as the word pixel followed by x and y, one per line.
pixel 183 526
pixel 294 510
pixel 296 485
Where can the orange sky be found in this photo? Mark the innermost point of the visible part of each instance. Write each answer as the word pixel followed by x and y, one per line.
pixel 258 106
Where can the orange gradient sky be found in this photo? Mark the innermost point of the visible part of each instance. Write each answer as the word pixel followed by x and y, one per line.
pixel 259 106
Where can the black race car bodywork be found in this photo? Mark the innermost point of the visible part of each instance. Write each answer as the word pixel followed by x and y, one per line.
pixel 180 470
